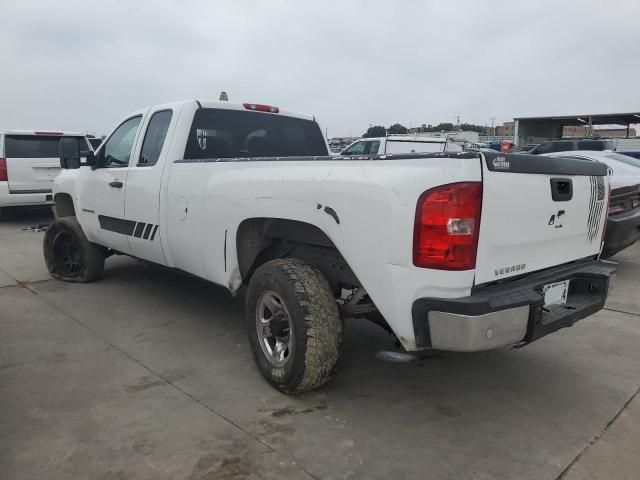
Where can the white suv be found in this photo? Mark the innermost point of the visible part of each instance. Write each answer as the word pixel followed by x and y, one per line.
pixel 29 161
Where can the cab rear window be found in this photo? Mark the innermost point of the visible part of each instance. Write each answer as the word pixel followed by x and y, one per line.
pixel 217 133
pixel 33 146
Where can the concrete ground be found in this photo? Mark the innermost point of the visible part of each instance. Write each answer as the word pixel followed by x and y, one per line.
pixel 147 374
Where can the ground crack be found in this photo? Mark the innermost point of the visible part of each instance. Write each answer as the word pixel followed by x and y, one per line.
pixel 622 311
pixel 596 438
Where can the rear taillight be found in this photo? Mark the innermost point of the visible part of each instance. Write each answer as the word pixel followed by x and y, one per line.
pixel 260 108
pixel 616 207
pixel 4 175
pixel 445 235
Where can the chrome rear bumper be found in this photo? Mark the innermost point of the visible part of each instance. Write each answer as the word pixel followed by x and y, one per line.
pixel 511 313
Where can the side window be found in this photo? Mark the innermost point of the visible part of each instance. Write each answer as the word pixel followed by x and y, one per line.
pixel 117 150
pixel 154 138
pixel 356 149
pixel 546 147
pixel 373 147
pixel 598 145
pixel 562 146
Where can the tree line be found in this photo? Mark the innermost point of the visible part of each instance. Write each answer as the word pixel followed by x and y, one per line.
pixel 396 128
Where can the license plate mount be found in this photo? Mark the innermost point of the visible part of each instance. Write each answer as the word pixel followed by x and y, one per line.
pixel 556 293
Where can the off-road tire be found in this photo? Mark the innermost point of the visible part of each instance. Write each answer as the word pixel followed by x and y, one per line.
pixel 315 319
pixel 91 256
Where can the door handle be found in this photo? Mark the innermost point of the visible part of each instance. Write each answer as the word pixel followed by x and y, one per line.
pixel 115 184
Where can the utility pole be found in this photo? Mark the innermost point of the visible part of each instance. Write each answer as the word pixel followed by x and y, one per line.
pixel 493 130
pixel 457 122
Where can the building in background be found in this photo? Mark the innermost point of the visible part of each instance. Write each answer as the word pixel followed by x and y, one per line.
pixel 530 130
pixel 505 130
pixel 578 131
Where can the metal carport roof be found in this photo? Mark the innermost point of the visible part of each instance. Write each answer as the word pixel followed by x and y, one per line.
pixel 596 119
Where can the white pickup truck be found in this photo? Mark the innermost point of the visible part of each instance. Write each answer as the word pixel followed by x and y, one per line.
pixel 449 251
pixel 401 144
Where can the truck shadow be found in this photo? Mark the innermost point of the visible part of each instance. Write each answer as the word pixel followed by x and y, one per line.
pixel 35 215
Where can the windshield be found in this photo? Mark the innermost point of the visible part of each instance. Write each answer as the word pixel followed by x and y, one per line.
pixel 217 133
pixel 625 159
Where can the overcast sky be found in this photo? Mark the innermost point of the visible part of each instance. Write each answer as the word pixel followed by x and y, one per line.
pixel 79 65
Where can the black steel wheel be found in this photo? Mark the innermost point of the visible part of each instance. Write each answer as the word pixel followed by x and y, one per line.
pixel 69 255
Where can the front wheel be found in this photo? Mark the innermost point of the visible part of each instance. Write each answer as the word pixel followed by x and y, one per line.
pixel 294 326
pixel 69 255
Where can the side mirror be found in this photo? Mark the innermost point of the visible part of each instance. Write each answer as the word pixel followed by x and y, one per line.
pixel 89 158
pixel 70 154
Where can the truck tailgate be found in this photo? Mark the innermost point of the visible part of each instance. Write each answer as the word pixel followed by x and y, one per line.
pixel 538 212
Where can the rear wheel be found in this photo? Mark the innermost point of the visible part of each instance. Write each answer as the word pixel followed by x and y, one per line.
pixel 294 327
pixel 69 255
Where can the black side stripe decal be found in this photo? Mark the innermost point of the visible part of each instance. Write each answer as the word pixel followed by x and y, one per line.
pixel 118 225
pixel 130 228
pixel 139 229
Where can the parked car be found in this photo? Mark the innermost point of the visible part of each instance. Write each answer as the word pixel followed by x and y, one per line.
pixel 29 161
pixel 476 146
pixel 567 144
pixel 400 144
pixel 630 153
pixel 449 251
pixel 623 227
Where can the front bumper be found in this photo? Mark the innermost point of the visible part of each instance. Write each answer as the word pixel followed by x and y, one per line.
pixel 622 231
pixel 511 313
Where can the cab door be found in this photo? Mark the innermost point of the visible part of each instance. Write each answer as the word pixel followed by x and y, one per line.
pixel 144 184
pixel 103 190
